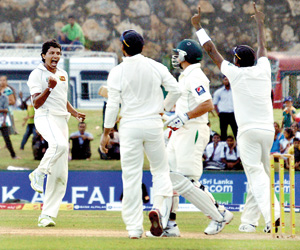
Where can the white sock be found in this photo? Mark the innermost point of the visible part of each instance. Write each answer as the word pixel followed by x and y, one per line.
pixel 171 223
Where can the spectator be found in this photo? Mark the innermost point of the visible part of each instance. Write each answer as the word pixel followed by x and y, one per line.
pixel 10 93
pixel 224 108
pixel 212 154
pixel 23 102
pixel 5 122
pixel 81 139
pixel 295 150
pixel 287 141
pixel 230 155
pixel 113 147
pixel 71 33
pixel 295 128
pixel 288 113
pixel 29 119
pixel 277 137
pixel 39 146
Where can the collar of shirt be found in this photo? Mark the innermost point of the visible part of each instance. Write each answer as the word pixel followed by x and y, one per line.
pixel 189 69
pixel 132 58
pixel 42 67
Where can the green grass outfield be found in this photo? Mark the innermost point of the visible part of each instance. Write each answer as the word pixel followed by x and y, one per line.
pixel 78 230
pixel 94 125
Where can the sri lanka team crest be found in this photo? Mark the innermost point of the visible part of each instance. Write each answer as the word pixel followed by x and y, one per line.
pixel 62 78
pixel 200 90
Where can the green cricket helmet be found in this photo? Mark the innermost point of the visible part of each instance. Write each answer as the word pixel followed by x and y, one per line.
pixel 188 50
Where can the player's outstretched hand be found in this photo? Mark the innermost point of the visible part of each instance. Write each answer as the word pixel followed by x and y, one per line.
pixel 258 16
pixel 176 121
pixel 196 19
pixel 104 142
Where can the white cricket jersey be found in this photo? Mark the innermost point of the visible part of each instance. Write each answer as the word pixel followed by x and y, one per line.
pixel 56 103
pixel 136 84
pixel 251 92
pixel 194 86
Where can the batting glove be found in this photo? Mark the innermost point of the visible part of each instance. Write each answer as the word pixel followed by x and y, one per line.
pixel 177 121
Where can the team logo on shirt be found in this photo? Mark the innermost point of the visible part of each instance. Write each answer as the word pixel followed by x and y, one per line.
pixel 62 78
pixel 200 90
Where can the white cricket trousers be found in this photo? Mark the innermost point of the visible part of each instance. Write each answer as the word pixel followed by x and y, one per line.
pixel 255 146
pixel 55 131
pixel 185 149
pixel 136 137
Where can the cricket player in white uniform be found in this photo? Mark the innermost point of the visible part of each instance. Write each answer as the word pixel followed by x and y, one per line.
pixel 251 91
pixel 48 87
pixel 189 139
pixel 136 84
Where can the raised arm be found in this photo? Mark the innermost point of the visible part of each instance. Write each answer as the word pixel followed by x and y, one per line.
pixel 205 40
pixel 261 37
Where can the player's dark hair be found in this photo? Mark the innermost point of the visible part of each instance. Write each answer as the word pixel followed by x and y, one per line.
pixel 133 51
pixel 296 139
pixel 46 46
pixel 81 123
pixel 244 55
pixel 132 41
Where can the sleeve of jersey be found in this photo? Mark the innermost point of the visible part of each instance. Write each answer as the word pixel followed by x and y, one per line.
pixel 114 97
pixel 34 82
pixel 171 85
pixel 199 89
pixel 230 71
pixel 263 62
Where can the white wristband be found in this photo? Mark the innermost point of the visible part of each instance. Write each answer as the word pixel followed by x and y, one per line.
pixel 202 36
pixel 50 89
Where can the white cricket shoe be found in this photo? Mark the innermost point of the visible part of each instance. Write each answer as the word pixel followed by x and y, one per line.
pixel 45 221
pixel 156 228
pixel 247 228
pixel 216 227
pixel 135 237
pixel 168 232
pixel 135 234
pixel 37 181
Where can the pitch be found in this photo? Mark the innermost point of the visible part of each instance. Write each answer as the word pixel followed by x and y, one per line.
pixel 106 230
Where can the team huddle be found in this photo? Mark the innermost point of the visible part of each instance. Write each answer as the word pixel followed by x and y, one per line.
pixel 136 84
